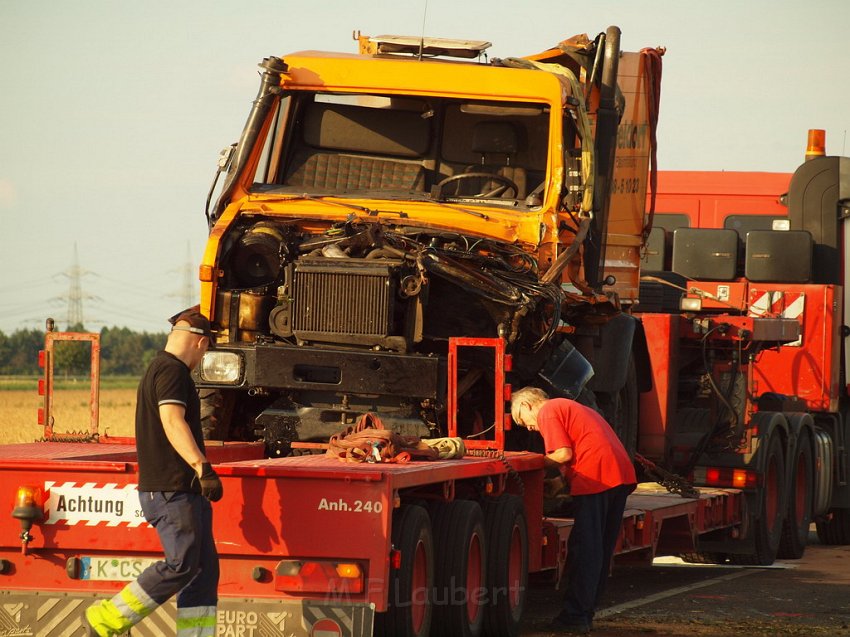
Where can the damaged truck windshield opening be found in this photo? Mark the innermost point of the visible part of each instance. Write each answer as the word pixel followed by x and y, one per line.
pixel 376 146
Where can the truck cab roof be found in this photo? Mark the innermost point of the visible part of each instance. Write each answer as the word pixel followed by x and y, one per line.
pixel 351 72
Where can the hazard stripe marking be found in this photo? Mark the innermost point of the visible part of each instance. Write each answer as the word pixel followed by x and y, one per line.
pixel 92 504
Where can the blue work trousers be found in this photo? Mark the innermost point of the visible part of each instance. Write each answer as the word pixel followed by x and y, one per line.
pixel 596 526
pixel 190 568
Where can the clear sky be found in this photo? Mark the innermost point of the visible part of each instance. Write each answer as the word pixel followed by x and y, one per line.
pixel 112 114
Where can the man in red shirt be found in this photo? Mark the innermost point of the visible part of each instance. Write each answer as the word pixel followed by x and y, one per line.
pixel 601 475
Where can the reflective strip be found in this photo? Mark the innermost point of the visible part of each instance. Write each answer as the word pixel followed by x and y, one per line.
pixel 126 609
pixel 767 303
pixel 106 620
pixel 134 603
pixel 795 308
pixel 196 621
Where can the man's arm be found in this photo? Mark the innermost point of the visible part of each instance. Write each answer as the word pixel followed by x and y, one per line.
pixel 558 457
pixel 173 417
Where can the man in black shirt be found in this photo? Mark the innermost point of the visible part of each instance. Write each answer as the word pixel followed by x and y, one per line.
pixel 176 486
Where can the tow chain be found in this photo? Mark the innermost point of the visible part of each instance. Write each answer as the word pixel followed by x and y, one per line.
pixel 673 482
pixel 496 454
pixel 72 436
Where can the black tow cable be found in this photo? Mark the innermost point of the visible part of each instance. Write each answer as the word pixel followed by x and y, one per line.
pixel 673 482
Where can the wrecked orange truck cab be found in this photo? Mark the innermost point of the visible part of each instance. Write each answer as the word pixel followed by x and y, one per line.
pixel 380 203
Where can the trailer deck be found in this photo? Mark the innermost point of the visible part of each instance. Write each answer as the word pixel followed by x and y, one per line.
pixel 93 538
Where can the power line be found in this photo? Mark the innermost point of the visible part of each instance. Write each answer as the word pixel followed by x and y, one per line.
pixel 136 306
pixel 187 294
pixel 75 295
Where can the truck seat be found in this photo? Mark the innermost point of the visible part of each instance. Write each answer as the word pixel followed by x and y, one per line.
pixel 497 144
pixel 339 172
pixel 346 147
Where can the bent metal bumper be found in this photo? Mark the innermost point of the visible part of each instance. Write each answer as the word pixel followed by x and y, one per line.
pixel 286 367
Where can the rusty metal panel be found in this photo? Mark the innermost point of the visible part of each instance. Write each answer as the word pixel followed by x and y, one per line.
pixel 45 385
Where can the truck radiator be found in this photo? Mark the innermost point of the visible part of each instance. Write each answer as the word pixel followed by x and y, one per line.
pixel 344 300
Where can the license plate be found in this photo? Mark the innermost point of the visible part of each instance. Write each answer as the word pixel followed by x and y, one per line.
pixel 116 569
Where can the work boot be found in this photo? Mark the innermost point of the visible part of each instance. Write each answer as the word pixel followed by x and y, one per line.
pixel 89 624
pixel 118 615
pixel 105 620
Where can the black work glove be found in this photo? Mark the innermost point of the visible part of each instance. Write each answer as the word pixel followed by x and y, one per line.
pixel 211 487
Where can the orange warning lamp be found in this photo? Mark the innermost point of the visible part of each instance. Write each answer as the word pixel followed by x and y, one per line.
pixel 816 146
pixel 28 509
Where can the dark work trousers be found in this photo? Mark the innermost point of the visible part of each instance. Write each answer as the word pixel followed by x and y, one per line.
pixel 597 522
pixel 184 524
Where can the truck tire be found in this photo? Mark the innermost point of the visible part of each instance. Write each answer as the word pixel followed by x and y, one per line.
pixel 835 530
pixel 411 585
pixel 507 565
pixel 620 409
pixel 795 528
pixel 216 412
pixel 767 527
pixel 460 573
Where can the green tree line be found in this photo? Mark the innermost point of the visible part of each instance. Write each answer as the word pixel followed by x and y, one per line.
pixel 123 352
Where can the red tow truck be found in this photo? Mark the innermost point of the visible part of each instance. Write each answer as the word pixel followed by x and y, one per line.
pixel 741 396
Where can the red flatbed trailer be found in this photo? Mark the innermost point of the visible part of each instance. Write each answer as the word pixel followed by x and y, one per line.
pixel 311 510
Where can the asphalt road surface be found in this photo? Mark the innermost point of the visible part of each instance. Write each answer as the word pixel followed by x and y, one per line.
pixel 810 596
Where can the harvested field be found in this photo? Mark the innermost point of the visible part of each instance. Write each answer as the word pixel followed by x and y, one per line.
pixel 19 413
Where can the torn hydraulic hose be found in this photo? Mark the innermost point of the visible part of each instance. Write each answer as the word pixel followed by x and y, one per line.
pixel 473 280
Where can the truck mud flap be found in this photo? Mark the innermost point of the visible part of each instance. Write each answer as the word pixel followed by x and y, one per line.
pixel 34 614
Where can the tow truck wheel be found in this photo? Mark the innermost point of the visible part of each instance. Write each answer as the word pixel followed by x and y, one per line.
pixel 411 584
pixel 460 573
pixel 767 528
pixel 795 529
pixel 507 565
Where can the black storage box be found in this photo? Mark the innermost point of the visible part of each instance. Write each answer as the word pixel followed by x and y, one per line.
pixel 775 256
pixel 705 254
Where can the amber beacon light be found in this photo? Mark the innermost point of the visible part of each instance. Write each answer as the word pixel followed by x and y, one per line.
pixel 816 146
pixel 28 509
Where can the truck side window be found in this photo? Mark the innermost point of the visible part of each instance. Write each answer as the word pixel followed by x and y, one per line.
pixel 270 158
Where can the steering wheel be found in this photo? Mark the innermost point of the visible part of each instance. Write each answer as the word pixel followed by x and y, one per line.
pixel 507 184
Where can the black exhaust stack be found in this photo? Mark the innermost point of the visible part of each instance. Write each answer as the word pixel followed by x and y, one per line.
pixel 273 68
pixel 607 122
